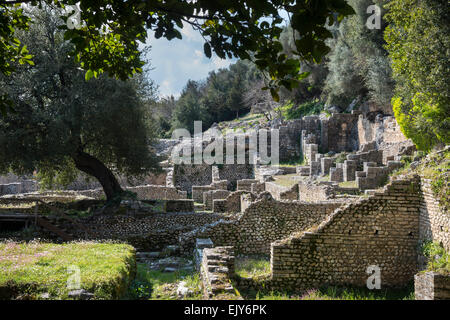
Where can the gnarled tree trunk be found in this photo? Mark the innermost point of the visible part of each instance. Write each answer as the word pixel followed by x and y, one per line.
pixel 94 167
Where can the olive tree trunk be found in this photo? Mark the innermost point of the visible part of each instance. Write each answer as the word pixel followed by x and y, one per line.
pixel 94 167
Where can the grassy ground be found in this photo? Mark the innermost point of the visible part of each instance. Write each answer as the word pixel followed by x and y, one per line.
pixel 287 180
pixel 348 184
pixel 158 285
pixel 31 269
pixel 251 266
pixel 338 293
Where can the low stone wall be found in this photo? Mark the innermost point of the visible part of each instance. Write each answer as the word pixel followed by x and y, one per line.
pixel 381 231
pixel 25 186
pixel 434 218
pixel 432 286
pixel 183 205
pixel 198 191
pixel 149 192
pixel 147 233
pixel 245 185
pixel 261 223
pixel 314 192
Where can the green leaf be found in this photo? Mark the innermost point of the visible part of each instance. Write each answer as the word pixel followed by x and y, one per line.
pixel 89 74
pixel 207 49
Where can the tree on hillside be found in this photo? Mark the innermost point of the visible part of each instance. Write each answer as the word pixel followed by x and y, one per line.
pixel 107 36
pixel 63 122
pixel 418 41
pixel 358 63
pixel 189 108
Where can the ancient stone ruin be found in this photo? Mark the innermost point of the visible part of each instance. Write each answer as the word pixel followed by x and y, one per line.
pixel 324 220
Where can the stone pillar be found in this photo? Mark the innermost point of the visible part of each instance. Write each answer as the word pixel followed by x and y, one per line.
pixel 349 169
pixel 326 164
pixel 336 174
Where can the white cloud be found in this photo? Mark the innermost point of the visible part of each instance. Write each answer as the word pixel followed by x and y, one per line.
pixel 177 61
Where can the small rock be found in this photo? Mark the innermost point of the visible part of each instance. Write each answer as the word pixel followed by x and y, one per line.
pixel 45 295
pixel 183 290
pixel 80 294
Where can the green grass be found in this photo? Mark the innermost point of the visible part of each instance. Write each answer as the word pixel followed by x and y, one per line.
pixel 34 268
pixel 348 184
pixel 252 266
pixel 158 285
pixel 338 293
pixel 287 180
pixel 293 163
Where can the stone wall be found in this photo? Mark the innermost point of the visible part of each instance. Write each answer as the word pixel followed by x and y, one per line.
pixel 234 172
pixel 340 133
pixel 276 190
pixel 291 194
pixel 149 233
pixel 149 192
pixel 246 184
pixel 24 186
pixel 181 205
pixel 232 204
pixel 431 286
pixel 261 223
pixel 313 192
pixel 210 196
pixel 382 230
pixel 185 176
pixel 434 219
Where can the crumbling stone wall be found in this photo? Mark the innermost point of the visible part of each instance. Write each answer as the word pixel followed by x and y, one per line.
pixel 232 204
pixel 261 223
pixel 246 184
pixel 280 192
pixel 291 194
pixel 382 230
pixel 210 196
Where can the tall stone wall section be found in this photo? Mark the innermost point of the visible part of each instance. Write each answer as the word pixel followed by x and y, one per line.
pixel 261 223
pixel 186 175
pixel 434 219
pixel 382 230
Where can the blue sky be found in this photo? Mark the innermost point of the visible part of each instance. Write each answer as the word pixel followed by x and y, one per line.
pixel 177 61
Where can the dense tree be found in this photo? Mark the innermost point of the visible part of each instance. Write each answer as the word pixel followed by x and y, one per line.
pixel 107 39
pixel 220 97
pixel 63 122
pixel 358 63
pixel 418 40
